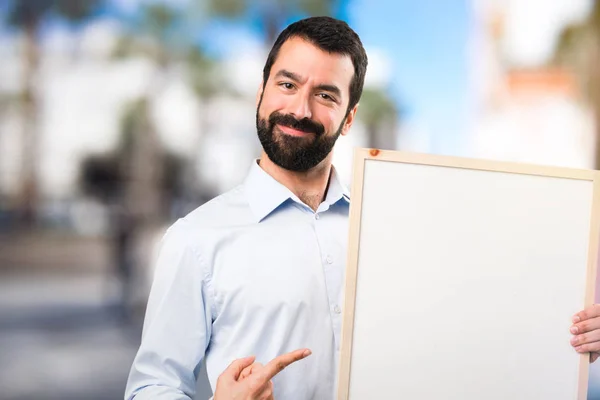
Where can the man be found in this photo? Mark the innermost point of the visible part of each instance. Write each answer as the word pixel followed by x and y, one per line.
pixel 256 274
pixel 258 271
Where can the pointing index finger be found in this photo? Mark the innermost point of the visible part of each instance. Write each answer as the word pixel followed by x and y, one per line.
pixel 279 363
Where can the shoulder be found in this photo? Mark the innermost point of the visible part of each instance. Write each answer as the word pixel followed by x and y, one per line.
pixel 227 210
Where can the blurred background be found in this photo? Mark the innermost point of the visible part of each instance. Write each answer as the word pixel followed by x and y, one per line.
pixel 119 116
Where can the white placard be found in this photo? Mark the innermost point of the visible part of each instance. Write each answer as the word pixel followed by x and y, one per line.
pixel 462 278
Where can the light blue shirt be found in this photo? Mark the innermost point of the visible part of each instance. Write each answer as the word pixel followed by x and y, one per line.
pixel 254 271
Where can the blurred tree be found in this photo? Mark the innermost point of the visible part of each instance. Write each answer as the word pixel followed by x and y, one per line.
pixel 379 113
pixel 111 179
pixel 167 36
pixel 28 17
pixel 578 49
pixel 203 73
pixel 152 36
pixel 272 14
pixel 107 176
pixel 205 79
pixel 133 179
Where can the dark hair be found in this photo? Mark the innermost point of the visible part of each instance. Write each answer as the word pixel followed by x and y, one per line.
pixel 330 35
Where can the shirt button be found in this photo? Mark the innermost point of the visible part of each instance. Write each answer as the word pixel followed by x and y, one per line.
pixel 329 260
pixel 337 309
pixel 317 216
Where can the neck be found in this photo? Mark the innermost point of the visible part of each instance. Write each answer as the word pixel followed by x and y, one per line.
pixel 310 186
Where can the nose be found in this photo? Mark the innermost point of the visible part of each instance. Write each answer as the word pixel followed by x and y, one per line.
pixel 300 106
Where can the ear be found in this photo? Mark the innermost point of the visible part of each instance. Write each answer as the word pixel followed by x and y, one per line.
pixel 259 92
pixel 349 121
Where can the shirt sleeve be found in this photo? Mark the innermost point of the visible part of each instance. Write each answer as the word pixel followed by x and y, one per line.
pixel 177 324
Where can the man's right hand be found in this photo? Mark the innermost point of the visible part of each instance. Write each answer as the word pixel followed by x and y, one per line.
pixel 256 385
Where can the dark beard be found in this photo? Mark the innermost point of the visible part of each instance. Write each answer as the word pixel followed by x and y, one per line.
pixel 293 153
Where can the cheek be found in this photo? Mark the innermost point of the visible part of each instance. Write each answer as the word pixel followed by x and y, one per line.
pixel 272 101
pixel 331 119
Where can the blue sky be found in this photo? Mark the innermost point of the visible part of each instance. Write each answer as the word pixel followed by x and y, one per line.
pixel 426 42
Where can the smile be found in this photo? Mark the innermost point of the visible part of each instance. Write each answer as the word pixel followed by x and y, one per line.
pixel 292 132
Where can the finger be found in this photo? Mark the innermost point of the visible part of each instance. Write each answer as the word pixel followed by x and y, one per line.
pixel 279 363
pixel 588 325
pixel 586 338
pixel 592 311
pixel 234 369
pixel 588 348
pixel 246 372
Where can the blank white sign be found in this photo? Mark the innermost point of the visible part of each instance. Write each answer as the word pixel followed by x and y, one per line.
pixel 462 279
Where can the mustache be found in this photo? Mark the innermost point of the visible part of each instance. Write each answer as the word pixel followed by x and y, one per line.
pixel 305 124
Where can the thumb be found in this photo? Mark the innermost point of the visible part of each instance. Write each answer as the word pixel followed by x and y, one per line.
pixel 234 369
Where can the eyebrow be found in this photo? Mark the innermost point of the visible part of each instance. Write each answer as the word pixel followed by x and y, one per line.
pixel 297 78
pixel 330 88
pixel 288 74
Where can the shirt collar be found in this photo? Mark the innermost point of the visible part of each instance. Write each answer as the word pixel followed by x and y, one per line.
pixel 337 190
pixel 265 194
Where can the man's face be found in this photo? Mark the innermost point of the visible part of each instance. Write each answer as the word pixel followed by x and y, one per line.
pixel 303 105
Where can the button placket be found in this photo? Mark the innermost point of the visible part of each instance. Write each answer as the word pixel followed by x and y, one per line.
pixel 331 272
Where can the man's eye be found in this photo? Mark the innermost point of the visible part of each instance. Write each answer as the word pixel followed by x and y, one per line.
pixel 325 96
pixel 287 85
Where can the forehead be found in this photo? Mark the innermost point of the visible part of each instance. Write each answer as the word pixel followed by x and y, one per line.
pixel 311 63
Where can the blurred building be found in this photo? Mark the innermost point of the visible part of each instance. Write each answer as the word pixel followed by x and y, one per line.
pixel 525 110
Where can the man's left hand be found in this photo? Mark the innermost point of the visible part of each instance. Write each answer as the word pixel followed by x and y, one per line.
pixel 586 331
